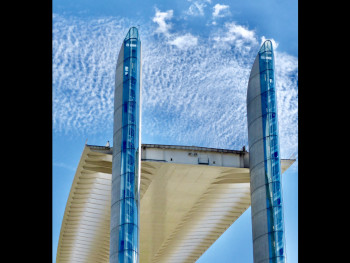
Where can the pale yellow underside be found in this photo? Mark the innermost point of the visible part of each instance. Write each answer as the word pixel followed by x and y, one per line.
pixel 184 209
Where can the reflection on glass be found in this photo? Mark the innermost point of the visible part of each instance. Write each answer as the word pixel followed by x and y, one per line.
pixel 271 152
pixel 129 190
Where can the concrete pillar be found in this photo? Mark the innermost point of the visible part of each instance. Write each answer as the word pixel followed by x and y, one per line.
pixel 125 204
pixel 264 161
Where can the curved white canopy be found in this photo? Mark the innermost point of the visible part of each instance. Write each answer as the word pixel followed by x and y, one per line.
pixel 185 205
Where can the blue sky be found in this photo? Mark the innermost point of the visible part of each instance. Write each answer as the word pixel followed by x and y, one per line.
pixel 196 60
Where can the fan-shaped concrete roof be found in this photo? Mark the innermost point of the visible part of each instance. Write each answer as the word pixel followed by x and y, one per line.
pixel 189 197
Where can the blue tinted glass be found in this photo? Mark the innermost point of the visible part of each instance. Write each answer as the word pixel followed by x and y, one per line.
pixel 275 169
pixel 126 90
pixel 271 152
pixel 133 67
pixel 279 259
pixel 131 118
pixel 128 236
pixel 128 208
pixel 279 242
pixel 127 184
pixel 278 223
pixel 128 136
pixel 128 158
pixel 270 125
pixel 268 104
pixel 273 194
pixel 129 191
pixel 126 70
pixel 130 115
pixel 126 50
pixel 273 145
pixel 127 256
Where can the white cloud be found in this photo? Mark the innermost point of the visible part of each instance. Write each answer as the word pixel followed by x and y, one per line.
pixel 190 96
pixel 83 73
pixel 160 18
pixel 286 73
pixel 238 31
pixel 221 10
pixel 184 41
pixel 236 36
pixel 197 8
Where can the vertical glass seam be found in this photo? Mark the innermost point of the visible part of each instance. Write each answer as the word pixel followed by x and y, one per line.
pixel 271 149
pixel 129 175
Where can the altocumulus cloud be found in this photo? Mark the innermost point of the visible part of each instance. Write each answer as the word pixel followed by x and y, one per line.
pixel 160 18
pixel 176 39
pixel 184 41
pixel 220 10
pixel 83 67
pixel 197 7
pixel 190 96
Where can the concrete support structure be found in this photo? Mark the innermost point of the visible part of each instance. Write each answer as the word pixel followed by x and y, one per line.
pixel 125 193
pixel 264 161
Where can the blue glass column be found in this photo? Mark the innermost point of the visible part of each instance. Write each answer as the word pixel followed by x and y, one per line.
pixel 124 239
pixel 264 158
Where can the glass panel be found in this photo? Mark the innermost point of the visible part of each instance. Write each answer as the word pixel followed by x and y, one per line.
pixel 271 151
pixel 268 102
pixel 126 50
pixel 128 160
pixel 129 190
pixel 128 208
pixel 127 256
pixel 273 195
pixel 127 183
pixel 126 70
pixel 128 237
pixel 279 243
pixel 277 260
pixel 133 67
pixel 130 141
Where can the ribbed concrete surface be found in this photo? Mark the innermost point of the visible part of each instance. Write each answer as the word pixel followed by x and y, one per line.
pixel 184 207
